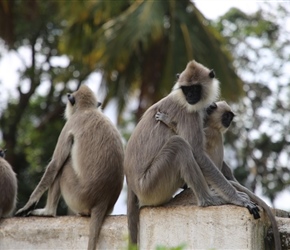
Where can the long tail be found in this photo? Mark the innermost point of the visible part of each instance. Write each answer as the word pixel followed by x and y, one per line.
pixel 98 214
pixel 269 212
pixel 132 216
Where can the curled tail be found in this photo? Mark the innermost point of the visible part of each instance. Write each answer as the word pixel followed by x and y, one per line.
pixel 98 214
pixel 132 216
pixel 269 212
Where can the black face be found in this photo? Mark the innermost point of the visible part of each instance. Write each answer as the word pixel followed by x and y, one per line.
pixel 192 93
pixel 227 118
pixel 211 108
pixel 71 99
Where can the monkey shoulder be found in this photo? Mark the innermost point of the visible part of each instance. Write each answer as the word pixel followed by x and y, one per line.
pixel 6 170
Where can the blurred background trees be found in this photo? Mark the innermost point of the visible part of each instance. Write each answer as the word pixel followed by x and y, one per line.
pixel 136 48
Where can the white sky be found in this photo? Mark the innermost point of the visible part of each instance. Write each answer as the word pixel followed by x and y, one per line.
pixel 211 9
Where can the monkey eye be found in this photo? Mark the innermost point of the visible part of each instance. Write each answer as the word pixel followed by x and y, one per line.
pixel 212 74
pixel 71 99
pixel 211 108
pixel 177 76
pixel 99 104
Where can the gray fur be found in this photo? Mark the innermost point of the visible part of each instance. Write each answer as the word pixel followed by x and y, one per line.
pixel 158 162
pixel 214 137
pixel 8 188
pixel 214 134
pixel 214 148
pixel 86 166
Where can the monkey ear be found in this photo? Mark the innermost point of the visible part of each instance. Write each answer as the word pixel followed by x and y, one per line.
pixel 212 74
pixel 177 76
pixel 71 99
pixel 211 108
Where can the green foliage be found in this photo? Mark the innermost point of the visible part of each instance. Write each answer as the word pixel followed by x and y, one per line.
pixel 258 143
pixel 138 47
pixel 181 247
pixel 141 45
pixel 31 122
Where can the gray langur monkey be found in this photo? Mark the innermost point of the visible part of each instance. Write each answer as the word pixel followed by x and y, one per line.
pixel 8 187
pixel 86 166
pixel 218 118
pixel 158 162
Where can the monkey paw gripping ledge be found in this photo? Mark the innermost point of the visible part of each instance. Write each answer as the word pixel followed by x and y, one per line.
pixel 222 227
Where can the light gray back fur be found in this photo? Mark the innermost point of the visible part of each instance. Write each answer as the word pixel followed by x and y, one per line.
pixel 86 166
pixel 8 189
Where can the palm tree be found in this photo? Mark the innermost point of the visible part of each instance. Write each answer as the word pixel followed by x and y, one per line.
pixel 140 45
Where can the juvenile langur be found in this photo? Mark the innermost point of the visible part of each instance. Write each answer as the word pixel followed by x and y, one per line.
pixel 86 166
pixel 8 187
pixel 158 162
pixel 218 118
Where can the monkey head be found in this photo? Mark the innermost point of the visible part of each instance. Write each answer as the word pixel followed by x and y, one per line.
pixel 219 115
pixel 81 99
pixel 2 152
pixel 196 87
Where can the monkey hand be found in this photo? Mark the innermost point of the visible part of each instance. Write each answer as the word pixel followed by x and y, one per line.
pixel 160 116
pixel 26 210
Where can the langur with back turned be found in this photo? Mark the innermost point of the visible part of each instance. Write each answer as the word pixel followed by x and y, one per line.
pixel 8 187
pixel 159 161
pixel 86 166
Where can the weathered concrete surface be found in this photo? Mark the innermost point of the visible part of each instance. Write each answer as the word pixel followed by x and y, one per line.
pixel 223 227
pixel 65 232
pixel 284 230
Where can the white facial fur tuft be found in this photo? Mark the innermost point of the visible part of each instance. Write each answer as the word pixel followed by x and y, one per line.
pixel 210 93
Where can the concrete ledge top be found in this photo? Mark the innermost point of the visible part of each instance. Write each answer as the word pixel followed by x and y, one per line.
pixel 62 232
pixel 215 227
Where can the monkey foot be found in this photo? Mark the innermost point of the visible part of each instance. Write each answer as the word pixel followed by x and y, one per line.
pixel 26 210
pixel 254 210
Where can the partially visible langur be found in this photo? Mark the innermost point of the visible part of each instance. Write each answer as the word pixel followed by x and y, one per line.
pixel 86 166
pixel 218 118
pixel 8 187
pixel 158 162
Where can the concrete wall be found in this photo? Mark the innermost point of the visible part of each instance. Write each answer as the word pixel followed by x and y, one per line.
pixel 223 227
pixel 231 227
pixel 65 232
